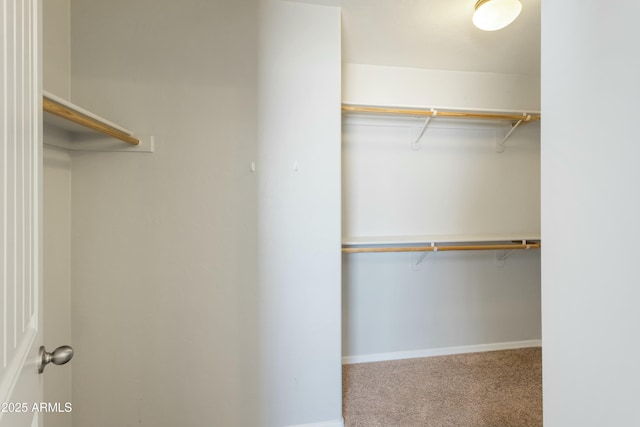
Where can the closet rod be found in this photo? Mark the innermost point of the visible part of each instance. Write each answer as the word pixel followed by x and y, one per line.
pixel 492 247
pixel 440 113
pixel 66 112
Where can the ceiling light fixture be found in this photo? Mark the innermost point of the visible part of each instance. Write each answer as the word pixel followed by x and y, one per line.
pixel 492 15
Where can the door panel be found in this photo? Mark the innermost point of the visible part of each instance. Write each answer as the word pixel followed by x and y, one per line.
pixel 20 212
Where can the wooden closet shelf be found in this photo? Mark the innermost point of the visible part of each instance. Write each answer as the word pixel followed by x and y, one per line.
pixel 450 113
pixel 440 243
pixel 58 107
pixel 454 247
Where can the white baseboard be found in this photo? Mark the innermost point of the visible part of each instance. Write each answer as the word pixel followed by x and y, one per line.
pixel 443 351
pixel 337 423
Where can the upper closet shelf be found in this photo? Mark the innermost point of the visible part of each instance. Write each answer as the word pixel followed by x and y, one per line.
pixel 515 117
pixel 86 130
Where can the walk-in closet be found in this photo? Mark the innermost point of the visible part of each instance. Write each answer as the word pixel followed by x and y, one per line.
pixel 318 213
pixel 441 231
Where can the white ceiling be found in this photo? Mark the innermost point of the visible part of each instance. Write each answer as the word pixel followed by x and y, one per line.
pixel 438 34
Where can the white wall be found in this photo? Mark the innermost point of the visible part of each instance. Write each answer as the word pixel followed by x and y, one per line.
pixel 455 184
pixel 57 47
pixel 207 294
pixel 299 213
pixel 57 213
pixel 165 295
pixel 590 211
pixel 383 85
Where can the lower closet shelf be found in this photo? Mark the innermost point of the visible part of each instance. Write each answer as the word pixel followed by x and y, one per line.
pixel 440 243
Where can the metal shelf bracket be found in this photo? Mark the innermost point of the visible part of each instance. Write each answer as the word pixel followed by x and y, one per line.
pixel 416 144
pixel 420 258
pixel 502 255
pixel 500 145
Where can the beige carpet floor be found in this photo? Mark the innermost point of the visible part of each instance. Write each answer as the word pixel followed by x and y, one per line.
pixel 492 389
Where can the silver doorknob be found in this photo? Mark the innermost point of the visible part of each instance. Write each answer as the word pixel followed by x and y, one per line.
pixel 59 356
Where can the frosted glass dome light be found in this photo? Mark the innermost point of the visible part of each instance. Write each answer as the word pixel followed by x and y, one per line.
pixel 492 15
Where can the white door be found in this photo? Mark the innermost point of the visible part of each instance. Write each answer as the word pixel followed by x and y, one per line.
pixel 20 212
